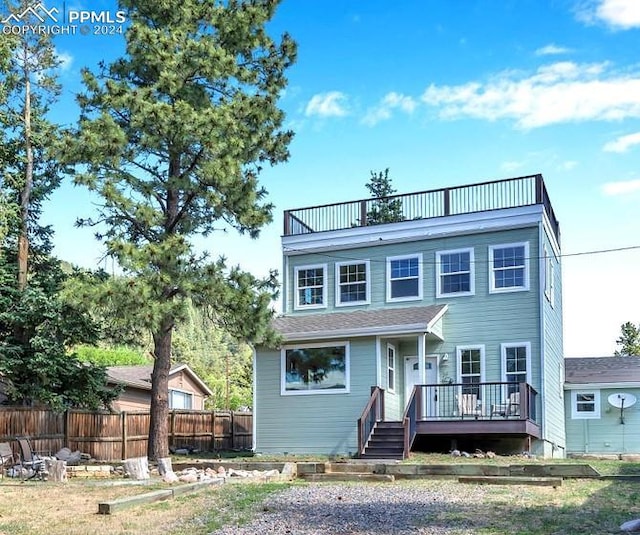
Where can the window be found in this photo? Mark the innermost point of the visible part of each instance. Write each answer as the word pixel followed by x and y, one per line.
pixel 509 267
pixel 315 369
pixel 455 273
pixel 311 286
pixel 549 277
pixel 352 283
pixel 516 365
pixel 180 400
pixel 404 277
pixel 471 369
pixel 391 368
pixel 585 404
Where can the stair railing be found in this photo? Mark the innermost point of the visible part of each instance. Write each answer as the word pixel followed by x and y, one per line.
pixel 410 418
pixel 372 413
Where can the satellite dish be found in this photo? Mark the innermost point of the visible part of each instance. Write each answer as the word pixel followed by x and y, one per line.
pixel 622 400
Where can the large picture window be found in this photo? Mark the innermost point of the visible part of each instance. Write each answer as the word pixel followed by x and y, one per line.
pixel 352 283
pixel 455 273
pixel 315 369
pixel 509 267
pixel 311 286
pixel 404 277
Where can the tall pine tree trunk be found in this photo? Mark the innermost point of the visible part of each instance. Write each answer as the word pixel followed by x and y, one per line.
pixel 159 421
pixel 25 195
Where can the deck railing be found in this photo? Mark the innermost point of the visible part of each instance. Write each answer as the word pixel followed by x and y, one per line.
pixel 495 195
pixel 478 401
pixel 372 413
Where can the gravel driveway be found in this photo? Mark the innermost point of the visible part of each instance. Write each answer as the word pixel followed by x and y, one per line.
pixel 390 508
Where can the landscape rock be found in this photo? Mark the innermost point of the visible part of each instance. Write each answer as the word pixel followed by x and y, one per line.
pixel 632 526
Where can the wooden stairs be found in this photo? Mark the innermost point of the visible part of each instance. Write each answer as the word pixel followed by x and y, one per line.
pixel 386 442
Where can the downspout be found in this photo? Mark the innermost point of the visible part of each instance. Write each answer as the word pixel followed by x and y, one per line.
pixel 542 338
pixel 255 397
pixel 285 282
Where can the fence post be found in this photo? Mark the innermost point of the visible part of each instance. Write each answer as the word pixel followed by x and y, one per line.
pixel 65 431
pixel 172 428
pixel 233 431
pixel 213 430
pixel 123 417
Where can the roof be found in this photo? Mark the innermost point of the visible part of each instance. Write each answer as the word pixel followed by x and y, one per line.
pixel 602 370
pixel 360 322
pixel 140 376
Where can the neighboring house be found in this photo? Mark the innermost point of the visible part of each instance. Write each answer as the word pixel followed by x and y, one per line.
pixel 601 417
pixel 442 330
pixel 186 389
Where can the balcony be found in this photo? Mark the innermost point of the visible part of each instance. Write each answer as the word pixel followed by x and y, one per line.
pixel 492 408
pixel 468 199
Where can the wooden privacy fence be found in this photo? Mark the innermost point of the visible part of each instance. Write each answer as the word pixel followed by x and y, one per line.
pixel 121 435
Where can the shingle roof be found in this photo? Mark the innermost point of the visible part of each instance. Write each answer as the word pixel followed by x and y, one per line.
pixel 359 322
pixel 602 370
pixel 140 376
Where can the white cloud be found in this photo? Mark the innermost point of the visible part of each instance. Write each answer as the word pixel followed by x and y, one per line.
pixel 331 104
pixel 65 60
pixel 556 93
pixel 623 14
pixel 552 50
pixel 391 101
pixel 617 14
pixel 567 165
pixel 622 187
pixel 623 143
pixel 511 166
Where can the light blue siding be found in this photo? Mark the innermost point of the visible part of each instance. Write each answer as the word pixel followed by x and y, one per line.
pixel 312 423
pixel 604 435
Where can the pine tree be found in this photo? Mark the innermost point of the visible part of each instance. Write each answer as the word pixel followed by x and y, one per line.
pixel 629 340
pixel 383 209
pixel 173 137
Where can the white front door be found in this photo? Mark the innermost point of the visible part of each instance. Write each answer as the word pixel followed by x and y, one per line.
pixel 412 378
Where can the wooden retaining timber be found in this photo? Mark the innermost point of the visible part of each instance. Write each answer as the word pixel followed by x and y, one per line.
pixel 108 508
pixel 512 480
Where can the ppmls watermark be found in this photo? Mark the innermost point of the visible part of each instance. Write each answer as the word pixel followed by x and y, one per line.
pixel 41 20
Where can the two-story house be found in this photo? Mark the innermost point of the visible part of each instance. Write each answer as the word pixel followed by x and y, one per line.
pixel 439 330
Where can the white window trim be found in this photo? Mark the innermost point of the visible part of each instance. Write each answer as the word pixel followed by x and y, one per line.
pixel 367 299
pixel 472 273
pixel 186 392
pixel 459 350
pixel 503 352
pixel 595 415
pixel 283 368
pixel 297 304
pixel 412 297
pixel 549 277
pixel 492 280
pixel 391 387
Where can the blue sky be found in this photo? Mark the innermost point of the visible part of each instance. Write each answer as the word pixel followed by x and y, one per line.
pixel 448 92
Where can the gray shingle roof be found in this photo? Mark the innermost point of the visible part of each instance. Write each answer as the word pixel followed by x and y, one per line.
pixel 602 370
pixel 359 322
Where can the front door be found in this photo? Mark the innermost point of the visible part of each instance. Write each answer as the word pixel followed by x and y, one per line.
pixel 412 378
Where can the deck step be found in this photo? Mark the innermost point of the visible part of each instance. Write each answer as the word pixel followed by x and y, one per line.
pixel 349 476
pixel 386 442
pixel 512 480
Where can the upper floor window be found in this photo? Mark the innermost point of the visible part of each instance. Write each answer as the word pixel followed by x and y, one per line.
pixel 509 267
pixel 404 277
pixel 455 273
pixel 585 404
pixel 311 286
pixel 352 283
pixel 315 369
pixel 516 365
pixel 549 277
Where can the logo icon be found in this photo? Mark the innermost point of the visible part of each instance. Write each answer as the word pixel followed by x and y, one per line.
pixel 39 11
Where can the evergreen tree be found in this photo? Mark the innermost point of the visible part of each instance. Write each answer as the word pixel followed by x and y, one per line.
pixel 36 326
pixel 383 209
pixel 629 340
pixel 173 137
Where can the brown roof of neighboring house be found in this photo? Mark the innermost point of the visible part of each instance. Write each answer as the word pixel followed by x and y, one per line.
pixel 140 376
pixel 359 322
pixel 602 370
